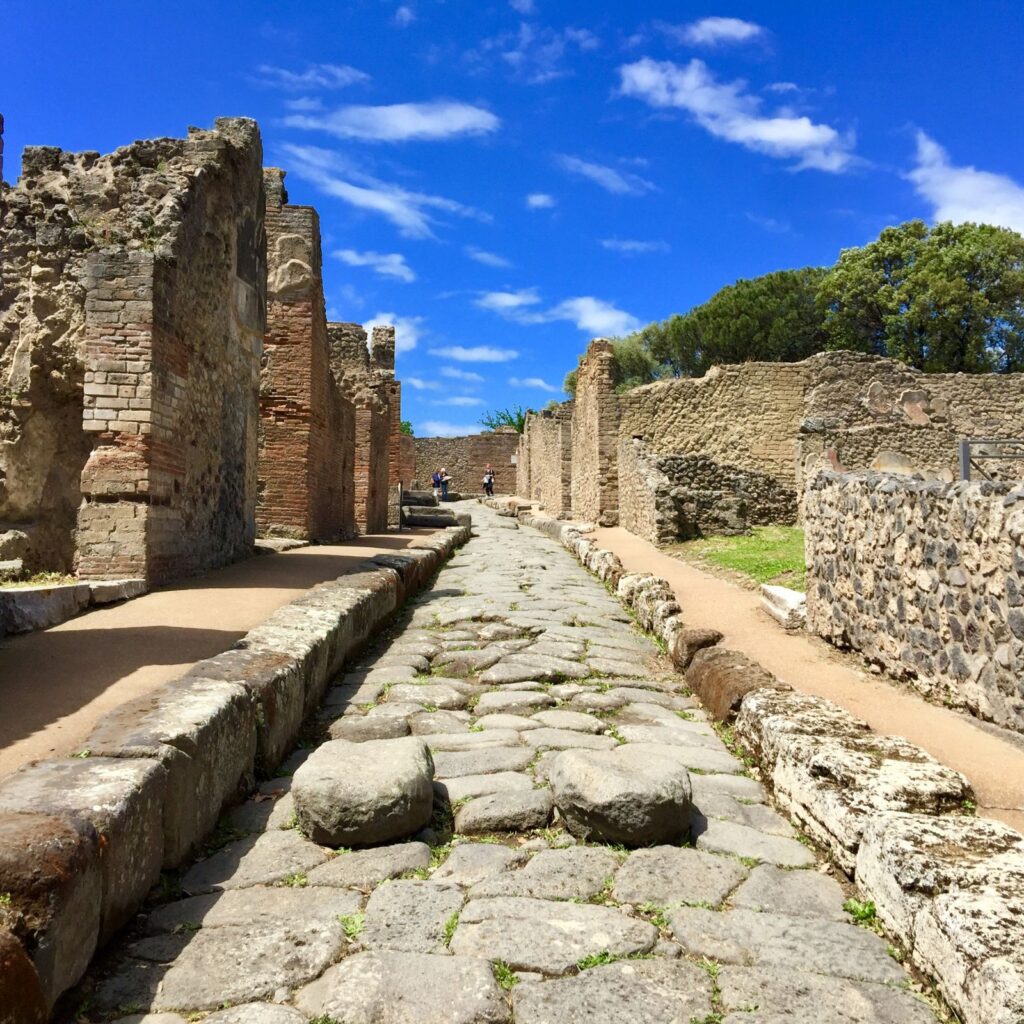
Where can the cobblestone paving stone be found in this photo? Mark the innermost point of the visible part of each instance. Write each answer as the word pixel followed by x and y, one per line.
pixel 515 658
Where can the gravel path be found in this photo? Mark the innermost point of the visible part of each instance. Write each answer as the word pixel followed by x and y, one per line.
pixel 678 896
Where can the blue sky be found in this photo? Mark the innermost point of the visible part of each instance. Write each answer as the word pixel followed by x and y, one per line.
pixel 506 179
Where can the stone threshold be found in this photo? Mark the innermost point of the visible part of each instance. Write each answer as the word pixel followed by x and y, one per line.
pixel 40 606
pixel 84 839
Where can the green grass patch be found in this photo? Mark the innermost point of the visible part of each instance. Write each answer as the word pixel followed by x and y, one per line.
pixel 504 975
pixel 768 554
pixel 352 925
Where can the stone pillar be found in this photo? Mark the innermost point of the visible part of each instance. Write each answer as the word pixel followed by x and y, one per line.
pixel 595 441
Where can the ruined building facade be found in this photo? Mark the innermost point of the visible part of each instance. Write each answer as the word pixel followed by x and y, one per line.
pixel 168 382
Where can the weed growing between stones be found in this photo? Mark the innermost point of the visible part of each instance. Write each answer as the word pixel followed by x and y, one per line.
pixel 85 752
pixel 296 880
pixel 352 925
pixel 449 928
pixel 655 914
pixel 421 874
pixel 863 913
pixel 324 1019
pixel 604 957
pixel 712 968
pixel 503 975
pixel 223 834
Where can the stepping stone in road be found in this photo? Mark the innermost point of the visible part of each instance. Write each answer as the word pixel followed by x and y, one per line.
pixel 785 943
pixel 410 916
pixel 647 991
pixel 357 794
pixel 669 876
pixel 636 794
pixel 516 811
pixel 364 869
pixel 574 874
pixel 545 935
pixel 406 988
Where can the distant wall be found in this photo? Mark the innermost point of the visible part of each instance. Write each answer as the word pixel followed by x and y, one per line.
pixel 544 467
pixel 465 459
pixel 927 580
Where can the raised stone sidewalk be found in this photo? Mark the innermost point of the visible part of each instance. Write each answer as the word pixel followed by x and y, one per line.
pixel 523 688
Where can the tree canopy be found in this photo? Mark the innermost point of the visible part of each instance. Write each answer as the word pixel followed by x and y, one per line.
pixel 943 299
pixel 514 417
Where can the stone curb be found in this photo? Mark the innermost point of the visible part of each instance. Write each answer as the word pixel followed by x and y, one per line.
pixel 27 609
pixel 947 886
pixel 83 839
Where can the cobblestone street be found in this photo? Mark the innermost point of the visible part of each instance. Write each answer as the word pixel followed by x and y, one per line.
pixel 512 810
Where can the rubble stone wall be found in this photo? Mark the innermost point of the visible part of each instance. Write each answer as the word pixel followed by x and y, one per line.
pixel 595 437
pixel 544 459
pixel 925 579
pixel 305 422
pixel 465 459
pixel 131 322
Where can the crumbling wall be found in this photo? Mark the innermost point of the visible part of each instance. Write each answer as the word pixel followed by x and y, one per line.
pixel 466 457
pixel 306 422
pixel 131 322
pixel 544 466
pixel 595 437
pixel 925 579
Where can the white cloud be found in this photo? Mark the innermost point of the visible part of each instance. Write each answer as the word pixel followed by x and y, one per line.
pixel 533 54
pixel 488 259
pixel 401 122
pixel 589 314
pixel 419 384
pixel 633 246
pixel 461 401
pixel 387 264
pixel 965 193
pixel 783 87
pixel 728 111
pixel 441 428
pixel 467 376
pixel 595 316
pixel 713 31
pixel 539 201
pixel 316 76
pixel 534 382
pixel 409 211
pixel 522 6
pixel 404 16
pixel 475 353
pixel 507 302
pixel 611 180
pixel 407 329
pixel 305 103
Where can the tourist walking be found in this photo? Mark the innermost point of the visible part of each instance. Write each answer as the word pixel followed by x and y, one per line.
pixel 435 481
pixel 489 481
pixel 445 478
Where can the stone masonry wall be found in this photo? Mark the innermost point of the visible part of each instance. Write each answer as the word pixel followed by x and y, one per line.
pixel 131 321
pixel 544 467
pixel 465 459
pixel 927 580
pixel 305 421
pixel 595 437
pixel 646 506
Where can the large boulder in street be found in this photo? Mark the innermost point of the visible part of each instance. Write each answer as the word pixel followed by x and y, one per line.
pixel 636 794
pixel 357 794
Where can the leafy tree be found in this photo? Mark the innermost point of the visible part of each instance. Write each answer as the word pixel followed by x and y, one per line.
pixel 405 427
pixel 946 299
pixel 514 417
pixel 772 318
pixel 634 363
pixel 569 384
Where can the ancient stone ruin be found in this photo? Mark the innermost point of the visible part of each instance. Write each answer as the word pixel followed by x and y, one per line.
pixel 169 382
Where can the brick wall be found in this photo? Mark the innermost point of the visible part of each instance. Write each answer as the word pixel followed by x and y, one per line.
pixel 595 437
pixel 544 469
pixel 465 459
pixel 305 427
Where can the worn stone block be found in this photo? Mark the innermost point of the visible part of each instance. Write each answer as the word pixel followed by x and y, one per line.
pixel 722 678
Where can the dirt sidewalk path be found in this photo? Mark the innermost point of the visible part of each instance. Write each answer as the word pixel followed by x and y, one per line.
pixel 56 684
pixel 995 766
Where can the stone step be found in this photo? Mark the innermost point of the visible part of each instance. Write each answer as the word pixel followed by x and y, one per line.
pixel 419 498
pixel 787 607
